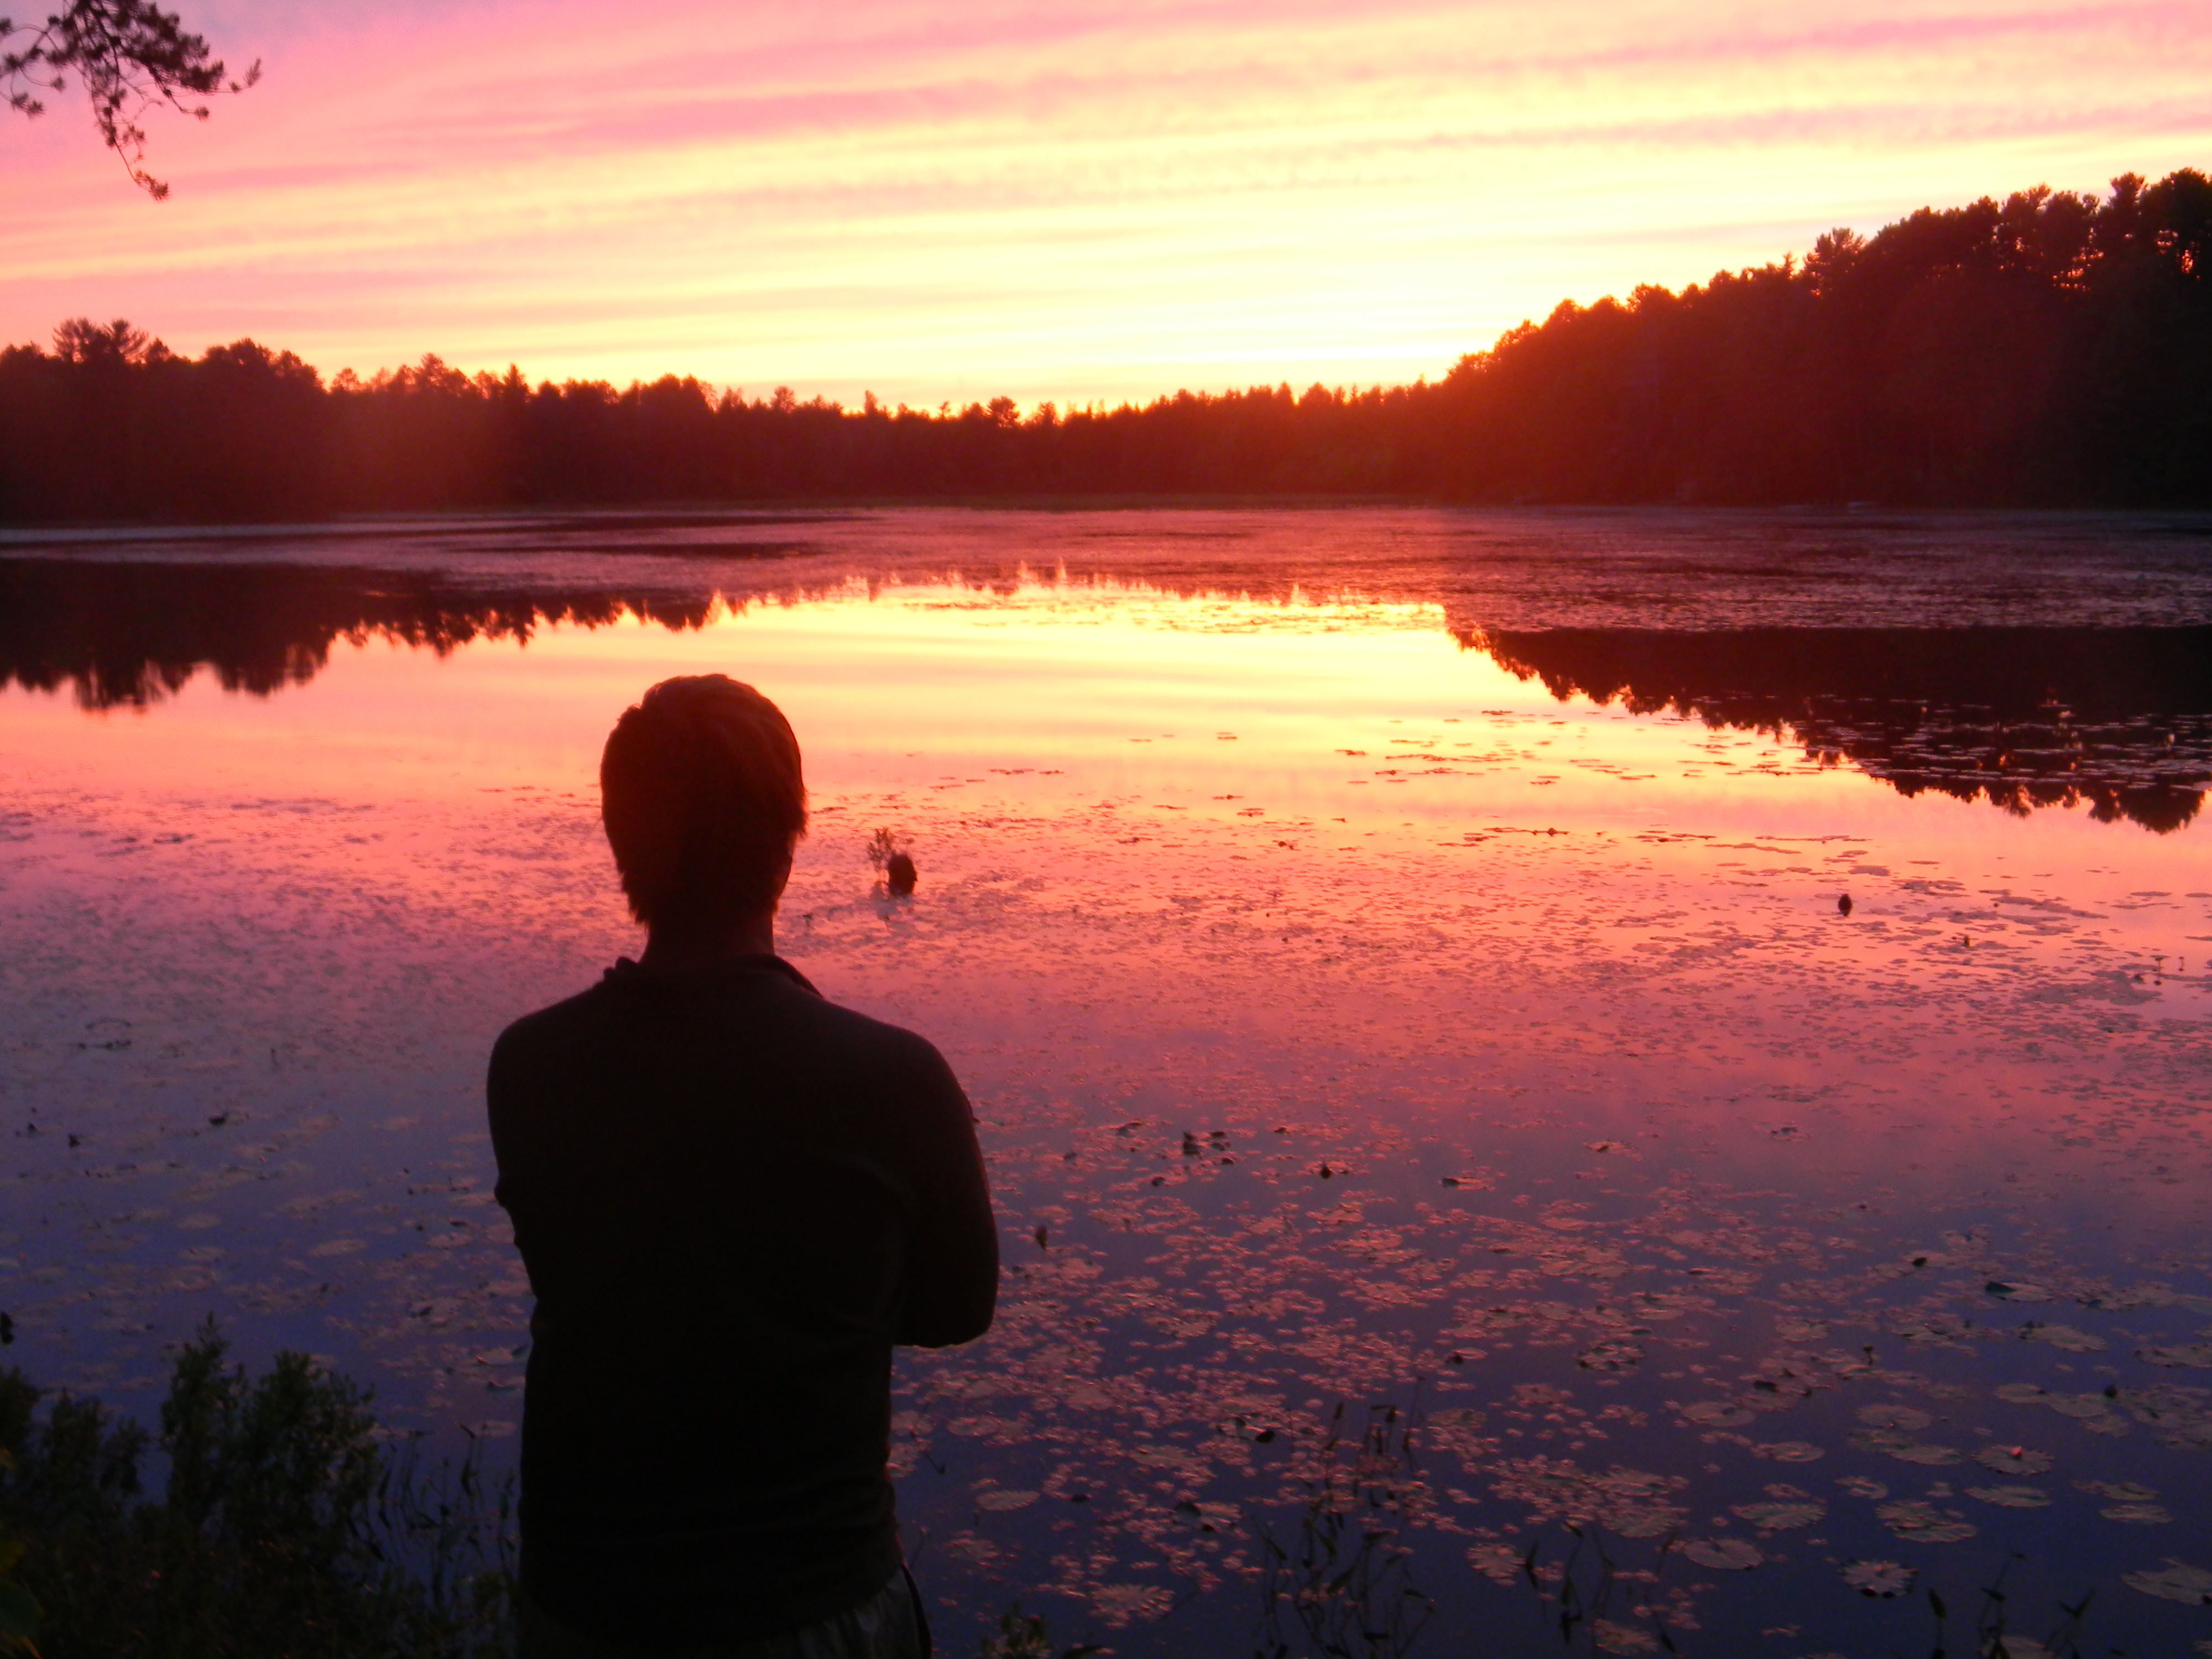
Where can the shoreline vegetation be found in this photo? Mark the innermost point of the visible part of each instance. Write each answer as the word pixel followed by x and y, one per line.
pixel 2052 349
pixel 289 1526
pixel 287 1523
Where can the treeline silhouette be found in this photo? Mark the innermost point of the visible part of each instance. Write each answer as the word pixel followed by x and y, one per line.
pixel 2049 349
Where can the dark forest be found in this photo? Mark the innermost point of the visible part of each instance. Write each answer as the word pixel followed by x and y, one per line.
pixel 2049 349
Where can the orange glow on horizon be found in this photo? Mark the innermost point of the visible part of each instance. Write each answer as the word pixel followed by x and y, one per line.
pixel 1079 204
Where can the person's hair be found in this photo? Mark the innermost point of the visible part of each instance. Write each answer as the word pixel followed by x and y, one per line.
pixel 701 792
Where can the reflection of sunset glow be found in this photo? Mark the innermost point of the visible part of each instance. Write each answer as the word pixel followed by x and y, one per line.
pixel 1352 1016
pixel 1071 202
pixel 1042 695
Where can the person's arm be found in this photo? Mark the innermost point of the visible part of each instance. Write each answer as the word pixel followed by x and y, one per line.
pixel 507 1086
pixel 500 1091
pixel 951 1278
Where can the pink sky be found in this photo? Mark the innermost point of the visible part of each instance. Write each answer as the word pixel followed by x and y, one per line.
pixel 1074 200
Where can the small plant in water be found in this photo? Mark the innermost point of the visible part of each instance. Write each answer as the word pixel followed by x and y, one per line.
pixel 1024 1636
pixel 1342 1583
pixel 895 862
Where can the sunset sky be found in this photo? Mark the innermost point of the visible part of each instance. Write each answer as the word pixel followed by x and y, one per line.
pixel 953 198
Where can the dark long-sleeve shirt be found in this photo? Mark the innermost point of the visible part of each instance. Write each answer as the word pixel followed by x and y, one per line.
pixel 733 1198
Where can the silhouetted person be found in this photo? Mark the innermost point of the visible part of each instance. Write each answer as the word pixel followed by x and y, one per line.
pixel 733 1198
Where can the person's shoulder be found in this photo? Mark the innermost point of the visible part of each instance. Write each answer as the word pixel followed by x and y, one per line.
pixel 550 1029
pixel 878 1044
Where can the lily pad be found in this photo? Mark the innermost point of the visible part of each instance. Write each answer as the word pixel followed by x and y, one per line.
pixel 1879 1578
pixel 1894 1416
pixel 2012 1460
pixel 2064 1337
pixel 2181 1417
pixel 2139 1515
pixel 2120 1491
pixel 1613 1354
pixel 1923 1522
pixel 1782 1516
pixel 2176 1581
pixel 1498 1563
pixel 1724 1554
pixel 1905 1448
pixel 1117 1604
pixel 1789 1451
pixel 1717 1414
pixel 1207 1517
pixel 2195 1354
pixel 2012 1497
pixel 2078 1406
pixel 1612 1637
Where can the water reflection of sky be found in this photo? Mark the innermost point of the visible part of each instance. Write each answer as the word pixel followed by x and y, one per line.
pixel 1359 1021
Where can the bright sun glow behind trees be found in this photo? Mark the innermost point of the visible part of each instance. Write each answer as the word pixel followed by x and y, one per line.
pixel 950 200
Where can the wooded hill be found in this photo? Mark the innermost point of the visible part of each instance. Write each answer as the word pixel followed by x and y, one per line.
pixel 2047 349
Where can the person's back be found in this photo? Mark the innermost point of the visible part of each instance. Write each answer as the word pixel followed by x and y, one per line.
pixel 733 1198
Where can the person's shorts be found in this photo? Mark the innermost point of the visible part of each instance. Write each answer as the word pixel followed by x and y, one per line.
pixel 887 1625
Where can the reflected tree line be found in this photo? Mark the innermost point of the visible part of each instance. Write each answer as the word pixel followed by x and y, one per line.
pixel 2049 348
pixel 2117 719
pixel 129 635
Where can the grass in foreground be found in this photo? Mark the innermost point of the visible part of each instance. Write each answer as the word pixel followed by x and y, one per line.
pixel 285 1526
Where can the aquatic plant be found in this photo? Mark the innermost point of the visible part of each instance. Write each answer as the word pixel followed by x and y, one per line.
pixel 284 1525
pixel 1025 1636
pixel 1342 1582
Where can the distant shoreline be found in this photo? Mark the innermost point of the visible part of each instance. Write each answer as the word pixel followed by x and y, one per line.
pixel 2049 352
pixel 23 535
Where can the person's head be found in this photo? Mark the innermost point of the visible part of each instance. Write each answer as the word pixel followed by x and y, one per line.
pixel 701 792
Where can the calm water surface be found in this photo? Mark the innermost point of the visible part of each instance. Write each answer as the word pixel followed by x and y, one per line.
pixel 1468 1187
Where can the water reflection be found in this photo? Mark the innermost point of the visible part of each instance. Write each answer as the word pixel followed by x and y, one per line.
pixel 2117 719
pixel 125 635
pixel 1416 1103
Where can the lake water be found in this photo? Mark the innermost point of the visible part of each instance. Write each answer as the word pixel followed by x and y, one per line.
pixel 1468 1184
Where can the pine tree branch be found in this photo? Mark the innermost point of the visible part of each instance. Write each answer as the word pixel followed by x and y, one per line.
pixel 132 56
